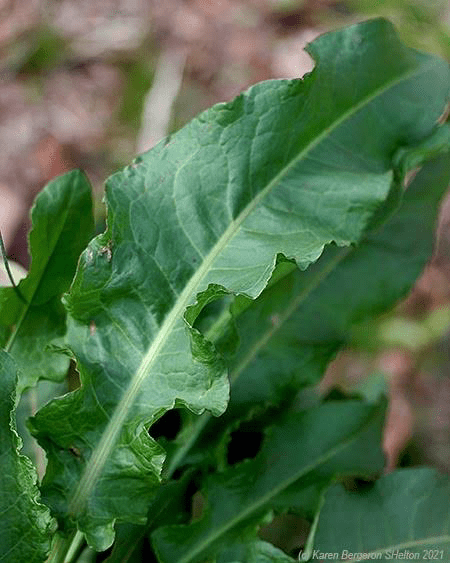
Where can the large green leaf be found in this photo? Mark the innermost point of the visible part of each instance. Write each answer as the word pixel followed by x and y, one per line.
pixel 287 167
pixel 25 525
pixel 403 516
pixel 305 449
pixel 62 225
pixel 290 333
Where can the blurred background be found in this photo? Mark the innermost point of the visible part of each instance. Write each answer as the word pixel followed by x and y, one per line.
pixel 92 83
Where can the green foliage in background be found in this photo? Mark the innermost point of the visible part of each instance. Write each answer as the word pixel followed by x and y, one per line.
pixel 423 24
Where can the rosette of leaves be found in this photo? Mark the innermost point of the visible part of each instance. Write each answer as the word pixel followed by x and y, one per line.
pixel 282 172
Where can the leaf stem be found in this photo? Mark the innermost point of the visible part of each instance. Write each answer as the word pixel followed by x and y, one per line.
pixel 13 334
pixel 75 547
pixel 8 271
pixel 64 550
pixel 59 549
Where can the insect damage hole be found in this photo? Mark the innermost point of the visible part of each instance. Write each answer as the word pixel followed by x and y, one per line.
pixel 245 443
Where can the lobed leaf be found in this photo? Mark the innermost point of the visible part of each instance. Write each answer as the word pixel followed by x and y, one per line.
pixel 26 525
pixel 62 225
pixel 205 213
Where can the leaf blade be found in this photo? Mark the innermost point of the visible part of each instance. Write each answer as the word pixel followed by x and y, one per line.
pixel 290 333
pixel 26 525
pixel 408 510
pixel 62 224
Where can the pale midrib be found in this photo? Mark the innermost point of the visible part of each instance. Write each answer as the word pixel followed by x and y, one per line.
pixel 101 453
pixel 264 499
pixel 29 304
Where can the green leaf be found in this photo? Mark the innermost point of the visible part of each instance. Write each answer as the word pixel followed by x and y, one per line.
pixel 168 506
pixel 254 551
pixel 30 401
pixel 432 147
pixel 62 225
pixel 291 332
pixel 26 525
pixel 204 213
pixel 404 515
pixel 306 449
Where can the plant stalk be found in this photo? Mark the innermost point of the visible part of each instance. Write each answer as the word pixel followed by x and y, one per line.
pixel 8 271
pixel 65 550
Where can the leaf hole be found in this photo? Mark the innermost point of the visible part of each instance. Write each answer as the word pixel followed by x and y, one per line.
pixel 167 426
pixel 245 443
pixel 210 313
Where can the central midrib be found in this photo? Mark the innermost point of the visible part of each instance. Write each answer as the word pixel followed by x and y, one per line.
pixel 101 453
